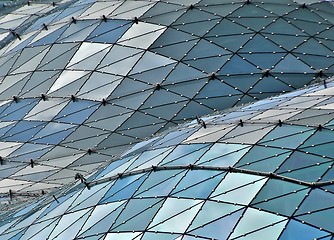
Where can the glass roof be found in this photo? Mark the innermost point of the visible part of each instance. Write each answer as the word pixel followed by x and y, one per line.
pixel 115 95
pixel 258 177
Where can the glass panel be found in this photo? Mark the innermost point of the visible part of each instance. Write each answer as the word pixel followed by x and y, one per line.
pixel 249 134
pixel 194 185
pixel 254 220
pixel 301 231
pixel 69 225
pixel 150 158
pixel 141 36
pixel 53 133
pixel 221 228
pixel 185 154
pixel 175 215
pixel 321 219
pixel 99 86
pixel 89 198
pixel 102 218
pixel 46 110
pixel 238 188
pixel 123 188
pixel 58 56
pixel 159 183
pixel 88 56
pixel 98 9
pixel 16 111
pixel 150 61
pixel 129 9
pixel 137 214
pixel 66 78
pixel 44 232
pixel 291 64
pixel 77 112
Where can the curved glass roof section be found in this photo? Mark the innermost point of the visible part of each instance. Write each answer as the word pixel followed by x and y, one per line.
pixel 262 171
pixel 81 80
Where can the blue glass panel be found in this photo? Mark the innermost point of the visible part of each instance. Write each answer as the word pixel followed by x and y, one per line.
pixel 283 205
pixel 53 133
pixel 77 112
pixel 322 219
pixel 29 151
pixel 110 31
pixel 300 231
pixel 104 224
pixel 317 199
pixel 137 214
pixel 51 38
pixel 123 188
pixel 112 166
pixel 3 130
pixel 198 184
pixel 160 183
pixel 185 154
pixel 300 160
pixel 309 174
pixel 17 110
pixel 54 204
pixel 23 131
pixel 219 229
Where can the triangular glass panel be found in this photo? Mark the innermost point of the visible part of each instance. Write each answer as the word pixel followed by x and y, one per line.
pixel 320 219
pixel 231 42
pixel 263 60
pixel 259 44
pixel 77 112
pixel 101 218
pixel 110 31
pixel 66 78
pixel 184 151
pixel 312 46
pixel 88 56
pixel 238 188
pixel 46 110
pixel 31 63
pixel 123 188
pixel 219 228
pixel 141 35
pixel 78 31
pixel 150 61
pixel 175 215
pixel 137 214
pixel 259 223
pixel 298 160
pixel 159 183
pixel 310 28
pixel 283 201
pixel 58 53
pixel 281 26
pixel 197 187
pixel 300 231
pixel 52 36
pixel 238 66
pixel 70 224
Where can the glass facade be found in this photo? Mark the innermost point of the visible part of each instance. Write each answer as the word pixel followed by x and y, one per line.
pixel 205 119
